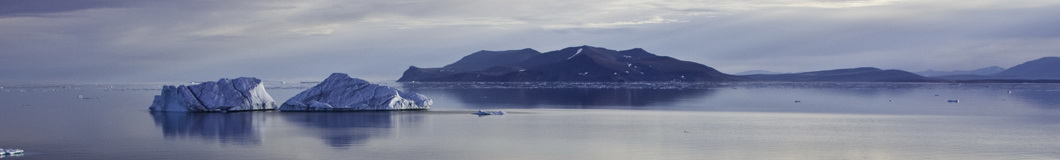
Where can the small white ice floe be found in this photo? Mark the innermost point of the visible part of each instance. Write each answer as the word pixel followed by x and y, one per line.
pixel 953 101
pixel 83 97
pixel 483 113
pixel 10 151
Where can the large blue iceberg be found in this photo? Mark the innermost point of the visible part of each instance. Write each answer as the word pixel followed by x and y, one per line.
pixel 340 92
pixel 240 94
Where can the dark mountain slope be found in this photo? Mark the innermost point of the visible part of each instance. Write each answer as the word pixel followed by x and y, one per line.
pixel 1042 68
pixel 577 64
pixel 487 59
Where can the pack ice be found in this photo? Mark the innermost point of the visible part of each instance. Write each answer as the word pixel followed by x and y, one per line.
pixel 340 92
pixel 240 94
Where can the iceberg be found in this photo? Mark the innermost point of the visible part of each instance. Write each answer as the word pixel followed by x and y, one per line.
pixel 11 151
pixel 240 94
pixel 486 113
pixel 340 92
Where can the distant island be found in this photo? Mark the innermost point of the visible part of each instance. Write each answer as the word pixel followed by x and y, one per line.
pixel 753 72
pixel 595 64
pixel 981 71
pixel 864 74
pixel 572 64
pixel 1045 69
pixel 1042 68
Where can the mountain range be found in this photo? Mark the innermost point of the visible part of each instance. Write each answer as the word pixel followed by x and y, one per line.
pixel 863 74
pixel 1045 68
pixel 1042 68
pixel 753 72
pixel 981 71
pixel 572 64
pixel 595 64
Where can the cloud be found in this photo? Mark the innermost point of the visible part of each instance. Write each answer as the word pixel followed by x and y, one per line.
pixel 406 22
pixel 619 24
pixel 111 40
pixel 901 36
pixel 20 8
pixel 837 3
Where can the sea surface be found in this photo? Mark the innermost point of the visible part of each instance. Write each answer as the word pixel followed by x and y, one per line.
pixel 556 121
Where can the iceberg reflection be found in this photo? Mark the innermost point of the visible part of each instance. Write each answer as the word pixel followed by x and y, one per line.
pixel 226 128
pixel 346 129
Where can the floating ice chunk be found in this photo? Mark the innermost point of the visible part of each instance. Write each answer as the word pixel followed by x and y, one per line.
pixel 340 92
pixel 10 151
pixel 84 97
pixel 240 94
pixel 484 113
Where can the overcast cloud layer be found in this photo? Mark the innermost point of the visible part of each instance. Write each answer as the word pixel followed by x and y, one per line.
pixel 115 41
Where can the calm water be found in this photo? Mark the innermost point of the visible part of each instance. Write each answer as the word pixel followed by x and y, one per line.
pixel 554 121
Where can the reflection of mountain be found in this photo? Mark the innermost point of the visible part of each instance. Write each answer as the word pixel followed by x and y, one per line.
pixel 237 128
pixel 579 97
pixel 855 89
pixel 345 129
pixel 1043 99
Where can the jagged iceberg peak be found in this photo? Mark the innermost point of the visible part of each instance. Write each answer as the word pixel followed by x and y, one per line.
pixel 240 94
pixel 340 92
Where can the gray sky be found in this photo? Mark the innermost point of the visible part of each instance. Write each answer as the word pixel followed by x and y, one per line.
pixel 115 41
